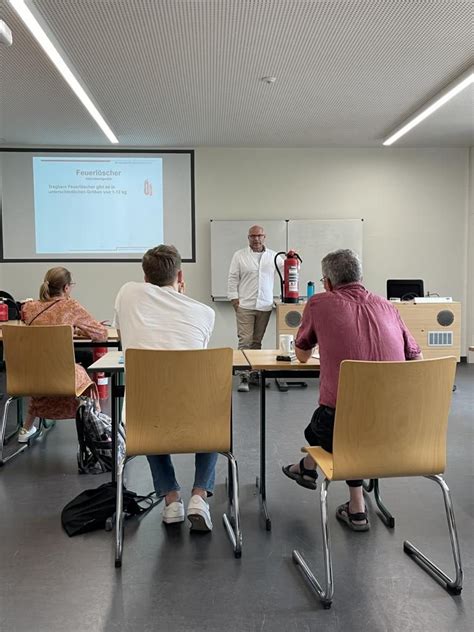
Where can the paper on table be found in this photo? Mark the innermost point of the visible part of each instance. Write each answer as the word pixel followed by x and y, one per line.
pixel 315 353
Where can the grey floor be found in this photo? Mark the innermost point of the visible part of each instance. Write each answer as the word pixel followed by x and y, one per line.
pixel 172 580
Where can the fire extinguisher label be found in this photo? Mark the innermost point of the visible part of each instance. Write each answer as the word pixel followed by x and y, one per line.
pixel 293 279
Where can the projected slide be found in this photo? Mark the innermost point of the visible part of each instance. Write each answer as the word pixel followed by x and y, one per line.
pixel 97 205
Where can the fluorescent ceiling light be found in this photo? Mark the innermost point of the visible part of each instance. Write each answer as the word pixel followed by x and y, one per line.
pixel 454 88
pixel 46 44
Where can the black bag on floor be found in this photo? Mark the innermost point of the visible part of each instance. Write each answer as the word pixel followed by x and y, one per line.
pixel 94 434
pixel 92 508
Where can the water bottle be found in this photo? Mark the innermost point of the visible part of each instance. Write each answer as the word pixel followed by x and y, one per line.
pixel 310 289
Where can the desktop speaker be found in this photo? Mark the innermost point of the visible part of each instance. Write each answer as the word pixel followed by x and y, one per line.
pixel 288 319
pixel 293 319
pixel 445 317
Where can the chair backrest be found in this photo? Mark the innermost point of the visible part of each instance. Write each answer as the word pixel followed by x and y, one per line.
pixel 178 401
pixel 39 360
pixel 391 418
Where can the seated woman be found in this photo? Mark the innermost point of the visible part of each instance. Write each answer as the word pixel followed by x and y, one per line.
pixel 56 307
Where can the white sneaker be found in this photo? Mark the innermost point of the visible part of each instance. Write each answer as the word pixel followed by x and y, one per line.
pixel 174 512
pixel 24 435
pixel 244 384
pixel 199 514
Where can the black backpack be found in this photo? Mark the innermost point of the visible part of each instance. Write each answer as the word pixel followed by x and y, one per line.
pixel 94 435
pixel 94 508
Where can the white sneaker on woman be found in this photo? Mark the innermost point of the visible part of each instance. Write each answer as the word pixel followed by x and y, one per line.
pixel 24 435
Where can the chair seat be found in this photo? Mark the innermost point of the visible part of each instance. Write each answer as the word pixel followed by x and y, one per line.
pixel 323 459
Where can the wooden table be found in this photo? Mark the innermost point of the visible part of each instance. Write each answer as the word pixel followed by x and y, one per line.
pixel 264 361
pixel 112 362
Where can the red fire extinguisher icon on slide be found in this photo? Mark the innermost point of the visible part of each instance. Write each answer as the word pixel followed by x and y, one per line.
pixel 147 188
pixel 99 377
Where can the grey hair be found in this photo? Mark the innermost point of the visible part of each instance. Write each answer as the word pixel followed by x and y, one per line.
pixel 342 267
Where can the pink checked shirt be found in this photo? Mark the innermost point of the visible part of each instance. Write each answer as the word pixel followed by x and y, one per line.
pixel 350 323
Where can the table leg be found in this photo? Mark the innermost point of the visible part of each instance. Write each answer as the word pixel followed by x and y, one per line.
pixel 262 480
pixel 115 417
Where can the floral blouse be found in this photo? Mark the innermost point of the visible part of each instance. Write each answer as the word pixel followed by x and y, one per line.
pixel 63 311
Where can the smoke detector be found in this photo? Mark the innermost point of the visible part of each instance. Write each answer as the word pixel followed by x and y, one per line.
pixel 6 37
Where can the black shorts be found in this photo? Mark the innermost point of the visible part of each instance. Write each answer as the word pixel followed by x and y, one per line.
pixel 320 432
pixel 321 428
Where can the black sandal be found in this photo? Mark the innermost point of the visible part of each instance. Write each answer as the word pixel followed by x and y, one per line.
pixel 311 475
pixel 355 521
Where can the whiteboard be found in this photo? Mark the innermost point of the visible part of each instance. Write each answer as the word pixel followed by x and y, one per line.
pixel 227 236
pixel 311 239
pixel 314 239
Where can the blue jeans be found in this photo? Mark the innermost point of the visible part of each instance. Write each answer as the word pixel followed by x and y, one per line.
pixel 164 479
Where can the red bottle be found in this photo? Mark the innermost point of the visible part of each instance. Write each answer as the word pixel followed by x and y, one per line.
pixel 3 311
pixel 99 377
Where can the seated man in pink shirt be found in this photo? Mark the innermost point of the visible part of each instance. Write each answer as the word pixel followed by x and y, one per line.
pixel 348 323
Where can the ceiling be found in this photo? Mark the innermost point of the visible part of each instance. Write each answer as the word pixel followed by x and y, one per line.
pixel 187 73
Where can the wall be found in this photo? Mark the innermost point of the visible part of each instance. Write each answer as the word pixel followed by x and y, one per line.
pixel 470 257
pixel 415 203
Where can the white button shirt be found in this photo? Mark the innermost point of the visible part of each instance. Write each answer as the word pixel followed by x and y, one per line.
pixel 251 280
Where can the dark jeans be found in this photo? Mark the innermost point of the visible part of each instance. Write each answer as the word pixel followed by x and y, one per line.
pixel 320 432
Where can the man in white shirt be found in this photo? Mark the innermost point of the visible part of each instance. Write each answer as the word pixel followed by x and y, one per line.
pixel 250 290
pixel 157 315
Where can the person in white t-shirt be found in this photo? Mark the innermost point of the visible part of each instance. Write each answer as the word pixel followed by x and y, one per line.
pixel 157 315
pixel 250 290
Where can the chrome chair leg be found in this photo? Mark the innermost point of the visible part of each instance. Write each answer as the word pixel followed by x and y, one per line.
pixel 232 525
pixel 19 422
pixel 3 428
pixel 452 586
pixel 119 515
pixel 325 594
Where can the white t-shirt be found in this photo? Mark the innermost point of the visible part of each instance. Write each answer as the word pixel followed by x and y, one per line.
pixel 152 317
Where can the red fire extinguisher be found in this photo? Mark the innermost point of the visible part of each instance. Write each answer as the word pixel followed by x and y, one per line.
pixel 99 377
pixel 291 274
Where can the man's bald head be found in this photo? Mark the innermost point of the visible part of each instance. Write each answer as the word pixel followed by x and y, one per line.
pixel 256 238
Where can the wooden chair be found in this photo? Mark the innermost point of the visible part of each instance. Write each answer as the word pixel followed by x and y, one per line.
pixel 391 421
pixel 179 402
pixel 39 363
